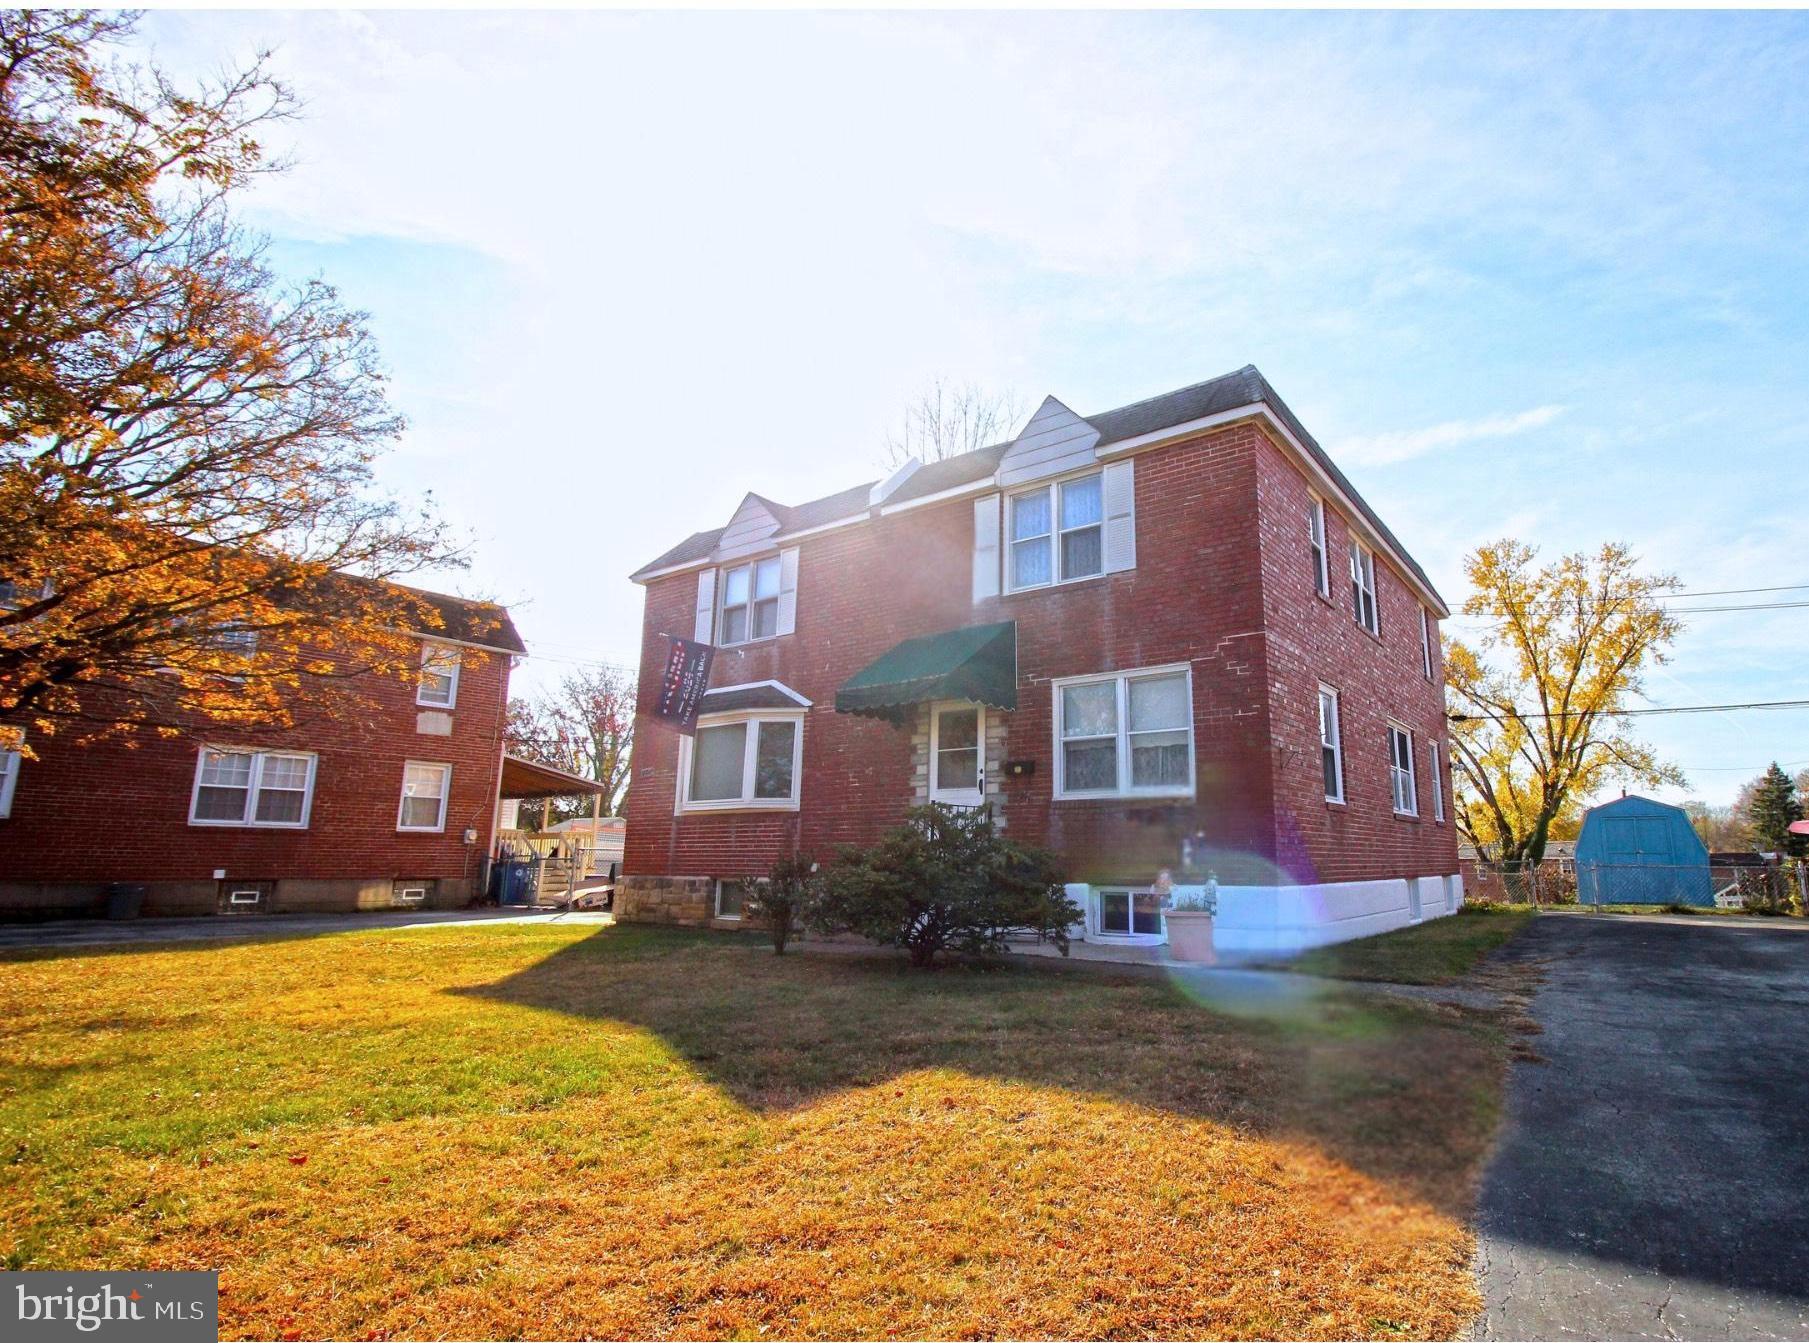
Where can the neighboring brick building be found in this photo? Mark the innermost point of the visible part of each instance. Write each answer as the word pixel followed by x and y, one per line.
pixel 391 804
pixel 1126 632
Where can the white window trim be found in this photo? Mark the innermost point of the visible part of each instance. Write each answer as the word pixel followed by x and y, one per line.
pixel 1096 917
pixel 1426 642
pixel 252 787
pixel 1363 576
pixel 439 826
pixel 747 801
pixel 1413 787
pixel 1337 742
pixel 1052 488
pixel 1317 539
pixel 716 897
pixel 1438 782
pixel 1123 680
pixel 752 565
pixel 442 658
pixel 11 763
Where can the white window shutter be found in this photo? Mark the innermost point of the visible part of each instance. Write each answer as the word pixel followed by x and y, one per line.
pixel 706 607
pixel 1120 490
pixel 788 590
pixel 986 547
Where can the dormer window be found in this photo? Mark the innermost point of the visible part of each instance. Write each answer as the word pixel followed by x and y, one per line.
pixel 750 601
pixel 1057 533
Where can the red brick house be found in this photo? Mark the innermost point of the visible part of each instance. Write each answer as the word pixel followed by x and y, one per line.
pixel 1171 637
pixel 391 805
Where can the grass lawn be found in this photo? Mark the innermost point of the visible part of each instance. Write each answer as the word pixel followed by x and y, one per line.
pixel 543 1131
pixel 1435 952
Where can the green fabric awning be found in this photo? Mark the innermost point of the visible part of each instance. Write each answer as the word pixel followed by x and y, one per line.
pixel 977 663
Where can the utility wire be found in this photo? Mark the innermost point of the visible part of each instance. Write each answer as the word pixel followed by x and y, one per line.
pixel 1628 713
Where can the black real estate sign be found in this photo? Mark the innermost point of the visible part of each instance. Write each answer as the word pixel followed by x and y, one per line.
pixel 683 682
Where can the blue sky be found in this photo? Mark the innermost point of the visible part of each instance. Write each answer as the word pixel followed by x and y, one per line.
pixel 1528 274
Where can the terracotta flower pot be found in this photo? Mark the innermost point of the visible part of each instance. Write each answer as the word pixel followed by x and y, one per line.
pixel 1190 937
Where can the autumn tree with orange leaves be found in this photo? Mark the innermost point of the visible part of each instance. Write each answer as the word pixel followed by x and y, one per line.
pixel 189 528
pixel 1537 700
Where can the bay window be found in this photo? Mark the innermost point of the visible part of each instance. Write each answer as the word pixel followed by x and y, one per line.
pixel 252 788
pixel 1125 735
pixel 752 761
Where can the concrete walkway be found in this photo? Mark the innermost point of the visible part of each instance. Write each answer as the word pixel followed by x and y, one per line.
pixel 145 932
pixel 1652 1180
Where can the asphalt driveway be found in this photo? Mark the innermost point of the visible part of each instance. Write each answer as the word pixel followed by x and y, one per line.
pixel 1653 1177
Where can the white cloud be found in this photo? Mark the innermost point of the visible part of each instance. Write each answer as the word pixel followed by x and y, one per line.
pixel 1403 445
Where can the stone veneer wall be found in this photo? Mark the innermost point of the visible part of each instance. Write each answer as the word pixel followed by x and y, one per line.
pixel 995 760
pixel 684 900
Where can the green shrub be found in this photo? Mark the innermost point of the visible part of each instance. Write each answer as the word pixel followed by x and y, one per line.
pixel 784 899
pixel 945 880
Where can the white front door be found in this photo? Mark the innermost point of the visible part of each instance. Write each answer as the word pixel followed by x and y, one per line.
pixel 957 754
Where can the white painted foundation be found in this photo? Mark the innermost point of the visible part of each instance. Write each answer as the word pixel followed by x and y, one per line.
pixel 1285 919
pixel 1281 920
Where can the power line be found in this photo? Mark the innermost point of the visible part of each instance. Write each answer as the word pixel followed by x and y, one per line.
pixel 1628 713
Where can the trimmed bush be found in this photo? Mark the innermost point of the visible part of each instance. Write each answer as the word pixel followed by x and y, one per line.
pixel 945 880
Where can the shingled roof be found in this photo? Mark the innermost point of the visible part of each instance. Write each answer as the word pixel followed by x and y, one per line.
pixel 1215 396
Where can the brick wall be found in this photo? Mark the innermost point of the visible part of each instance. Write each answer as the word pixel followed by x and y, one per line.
pixel 1314 640
pixel 1213 580
pixel 118 811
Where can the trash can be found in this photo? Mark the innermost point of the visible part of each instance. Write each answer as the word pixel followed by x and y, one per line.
pixel 124 901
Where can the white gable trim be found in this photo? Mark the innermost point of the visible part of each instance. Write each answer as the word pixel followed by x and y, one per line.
pixel 780 686
pixel 1319 480
pixel 882 491
pixel 1055 441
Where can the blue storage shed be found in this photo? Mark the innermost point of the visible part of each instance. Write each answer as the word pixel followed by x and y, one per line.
pixel 1634 851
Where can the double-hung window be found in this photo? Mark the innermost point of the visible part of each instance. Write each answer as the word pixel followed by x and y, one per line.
pixel 1331 745
pixel 1400 770
pixel 1363 587
pixel 1125 735
pixel 1058 532
pixel 425 788
pixel 1438 782
pixel 257 788
pixel 10 763
pixel 439 684
pixel 750 601
pixel 753 761
pixel 1426 642
pixel 1322 576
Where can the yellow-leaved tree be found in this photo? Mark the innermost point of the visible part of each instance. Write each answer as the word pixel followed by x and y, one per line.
pixel 189 529
pixel 1536 703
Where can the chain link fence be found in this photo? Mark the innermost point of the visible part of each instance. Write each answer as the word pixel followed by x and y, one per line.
pixel 1775 887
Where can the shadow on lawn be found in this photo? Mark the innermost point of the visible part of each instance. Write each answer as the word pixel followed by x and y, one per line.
pixel 1385 1088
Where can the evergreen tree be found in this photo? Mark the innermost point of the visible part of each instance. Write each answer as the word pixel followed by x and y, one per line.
pixel 1770 810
